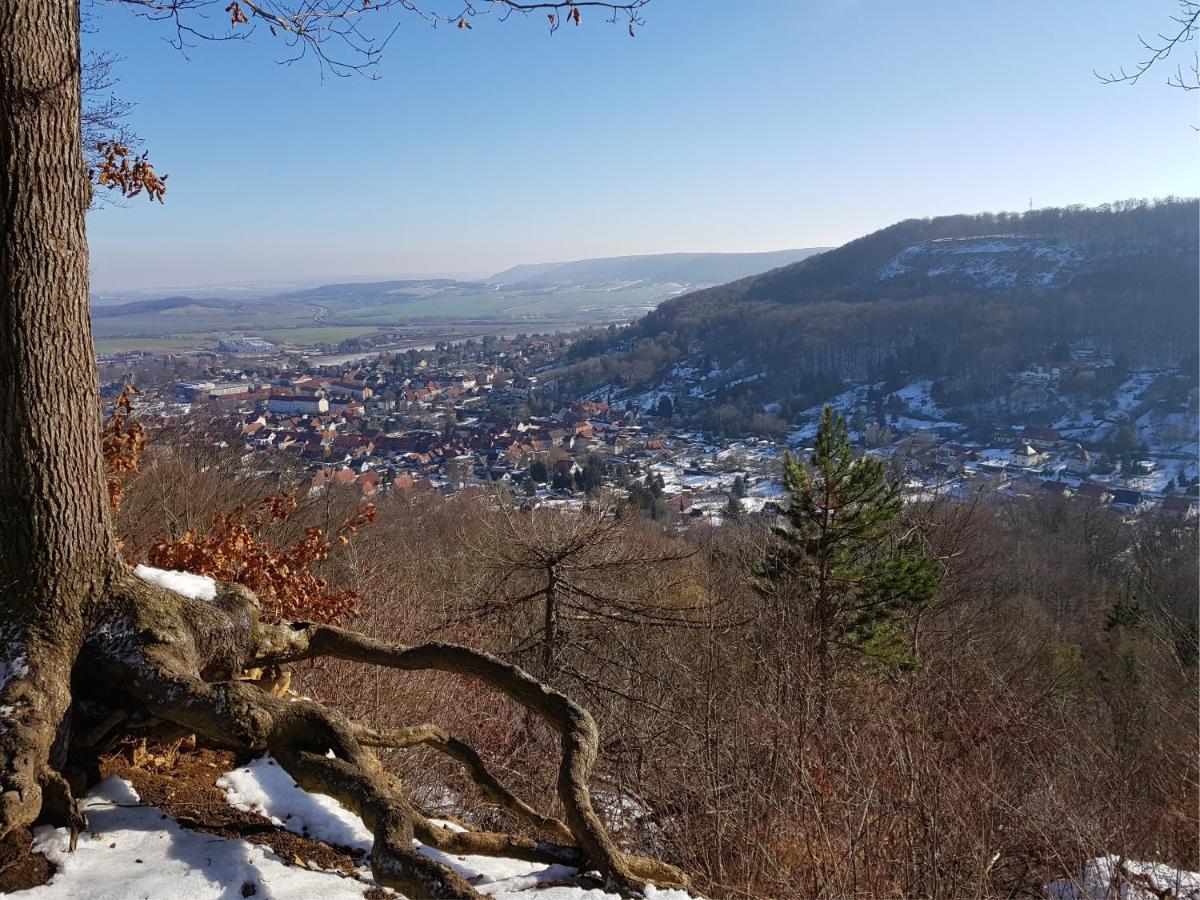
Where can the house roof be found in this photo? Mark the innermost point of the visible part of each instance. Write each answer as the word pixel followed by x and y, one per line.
pixel 1033 433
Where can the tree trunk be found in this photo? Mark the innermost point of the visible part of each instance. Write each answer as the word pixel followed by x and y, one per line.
pixel 56 546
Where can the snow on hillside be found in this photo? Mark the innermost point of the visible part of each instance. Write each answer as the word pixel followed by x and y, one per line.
pixel 844 403
pixel 995 261
pixel 133 850
pixel 916 398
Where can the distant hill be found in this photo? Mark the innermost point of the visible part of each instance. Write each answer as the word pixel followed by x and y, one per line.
pixel 552 295
pixel 393 291
pixel 679 268
pixel 161 305
pixel 967 299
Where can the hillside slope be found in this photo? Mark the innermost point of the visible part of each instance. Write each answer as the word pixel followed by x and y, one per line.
pixel 964 299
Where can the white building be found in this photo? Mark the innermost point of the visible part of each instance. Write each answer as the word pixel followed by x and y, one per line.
pixel 298 404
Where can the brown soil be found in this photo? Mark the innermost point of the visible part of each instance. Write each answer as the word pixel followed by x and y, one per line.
pixel 20 868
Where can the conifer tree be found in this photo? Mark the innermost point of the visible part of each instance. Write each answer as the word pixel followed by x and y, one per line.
pixel 739 487
pixel 838 559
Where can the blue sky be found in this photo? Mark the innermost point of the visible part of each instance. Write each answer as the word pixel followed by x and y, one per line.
pixel 725 125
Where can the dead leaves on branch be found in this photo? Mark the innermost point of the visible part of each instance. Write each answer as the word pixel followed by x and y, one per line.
pixel 129 175
pixel 237 16
pixel 124 441
pixel 240 547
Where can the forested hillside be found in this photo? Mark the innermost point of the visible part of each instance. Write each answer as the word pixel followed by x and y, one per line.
pixel 967 299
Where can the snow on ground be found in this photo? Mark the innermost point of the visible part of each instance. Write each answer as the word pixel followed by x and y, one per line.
pixel 263 787
pixel 17 667
pixel 133 851
pixel 1000 455
pixel 1130 392
pixel 845 403
pixel 198 587
pixel 909 425
pixel 1096 882
pixel 769 490
pixel 916 398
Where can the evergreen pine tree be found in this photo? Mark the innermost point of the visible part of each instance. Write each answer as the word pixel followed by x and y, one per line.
pixel 839 559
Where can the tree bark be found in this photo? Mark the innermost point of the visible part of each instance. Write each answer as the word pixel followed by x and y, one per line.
pixel 56 546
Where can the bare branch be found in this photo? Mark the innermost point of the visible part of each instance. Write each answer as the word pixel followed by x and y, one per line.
pixel 1186 22
pixel 348 37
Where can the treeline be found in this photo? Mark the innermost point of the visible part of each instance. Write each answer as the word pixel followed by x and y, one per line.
pixel 1049 714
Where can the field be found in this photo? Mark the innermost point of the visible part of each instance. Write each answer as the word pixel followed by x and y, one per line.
pixel 327 316
pixel 177 342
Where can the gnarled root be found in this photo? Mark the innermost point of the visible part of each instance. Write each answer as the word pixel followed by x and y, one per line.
pixel 579 739
pixel 35 695
pixel 173 661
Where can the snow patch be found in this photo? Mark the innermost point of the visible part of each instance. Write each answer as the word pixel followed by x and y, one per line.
pixel 263 787
pixel 17 667
pixel 130 850
pixel 198 587
pixel 1112 878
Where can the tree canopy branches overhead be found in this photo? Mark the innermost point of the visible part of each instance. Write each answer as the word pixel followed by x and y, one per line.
pixel 349 36
pixel 1184 24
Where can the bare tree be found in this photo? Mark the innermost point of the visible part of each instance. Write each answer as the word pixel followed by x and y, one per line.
pixel 586 571
pixel 150 660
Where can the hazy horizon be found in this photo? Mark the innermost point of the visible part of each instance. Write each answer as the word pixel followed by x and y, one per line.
pixel 368 277
pixel 711 131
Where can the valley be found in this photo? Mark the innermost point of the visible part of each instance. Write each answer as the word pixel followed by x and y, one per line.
pixel 543 297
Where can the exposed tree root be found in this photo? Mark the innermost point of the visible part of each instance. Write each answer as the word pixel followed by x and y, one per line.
pixel 282 644
pixel 160 661
pixel 34 701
